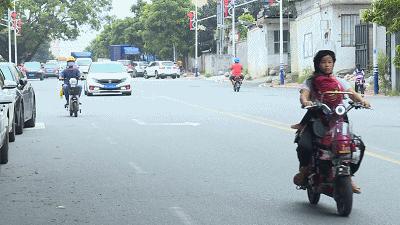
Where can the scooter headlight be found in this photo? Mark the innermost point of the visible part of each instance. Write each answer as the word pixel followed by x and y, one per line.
pixel 340 110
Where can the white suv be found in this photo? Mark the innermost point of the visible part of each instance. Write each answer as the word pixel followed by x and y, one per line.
pixel 161 69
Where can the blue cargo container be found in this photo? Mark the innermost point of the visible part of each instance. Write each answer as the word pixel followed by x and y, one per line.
pixel 118 52
pixel 81 54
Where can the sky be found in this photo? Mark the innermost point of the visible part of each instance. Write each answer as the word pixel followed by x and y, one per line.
pixel 121 8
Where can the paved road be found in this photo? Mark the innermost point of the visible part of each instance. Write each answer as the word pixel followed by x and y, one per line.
pixel 185 152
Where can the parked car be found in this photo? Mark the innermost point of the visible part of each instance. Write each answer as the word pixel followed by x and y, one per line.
pixel 34 70
pixel 23 110
pixel 51 70
pixel 108 77
pixel 138 68
pixel 83 66
pixel 161 69
pixel 5 101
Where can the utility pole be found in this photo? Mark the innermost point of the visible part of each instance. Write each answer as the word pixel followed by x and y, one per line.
pixel 375 58
pixel 196 65
pixel 15 34
pixel 281 71
pixel 233 29
pixel 9 35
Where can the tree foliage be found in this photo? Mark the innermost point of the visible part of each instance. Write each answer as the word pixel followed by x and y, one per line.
pixel 385 13
pixel 245 19
pixel 4 5
pixel 47 20
pixel 165 25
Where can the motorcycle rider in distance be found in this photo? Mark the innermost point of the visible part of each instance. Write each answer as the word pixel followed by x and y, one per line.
pixel 70 72
pixel 358 74
pixel 236 71
pixel 322 79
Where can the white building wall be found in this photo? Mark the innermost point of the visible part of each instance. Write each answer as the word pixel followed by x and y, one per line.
pixel 274 59
pixel 317 18
pixel 257 52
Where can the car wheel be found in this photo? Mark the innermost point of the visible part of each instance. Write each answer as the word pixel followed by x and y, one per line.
pixel 86 93
pixel 32 121
pixel 41 77
pixel 173 77
pixel 4 151
pixel 145 75
pixel 156 75
pixel 12 133
pixel 20 122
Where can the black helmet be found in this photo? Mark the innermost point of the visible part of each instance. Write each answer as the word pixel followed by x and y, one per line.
pixel 318 57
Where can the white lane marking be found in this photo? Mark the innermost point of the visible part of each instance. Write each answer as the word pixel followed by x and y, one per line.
pixel 185 218
pixel 142 123
pixel 38 126
pixel 139 122
pixel 138 169
pixel 94 125
pixel 110 141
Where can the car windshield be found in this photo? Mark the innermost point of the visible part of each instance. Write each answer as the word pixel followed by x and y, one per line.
pixel 32 65
pixel 107 68
pixel 125 62
pixel 83 62
pixel 167 63
pixel 50 66
pixel 6 71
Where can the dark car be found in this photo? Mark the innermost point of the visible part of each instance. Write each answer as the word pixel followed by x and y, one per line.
pixel 25 102
pixel 34 70
pixel 51 70
pixel 5 101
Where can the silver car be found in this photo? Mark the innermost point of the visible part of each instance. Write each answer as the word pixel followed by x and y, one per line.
pixel 5 101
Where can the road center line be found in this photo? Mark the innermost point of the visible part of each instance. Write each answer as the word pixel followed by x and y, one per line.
pixel 138 169
pixel 269 123
pixel 185 218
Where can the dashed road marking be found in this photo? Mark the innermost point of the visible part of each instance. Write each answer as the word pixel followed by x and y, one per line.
pixel 142 123
pixel 138 169
pixel 185 218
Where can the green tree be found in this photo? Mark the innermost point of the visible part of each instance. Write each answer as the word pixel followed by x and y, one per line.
pixel 166 25
pixel 206 38
pixel 385 13
pixel 245 19
pixel 119 31
pixel 48 20
pixel 4 5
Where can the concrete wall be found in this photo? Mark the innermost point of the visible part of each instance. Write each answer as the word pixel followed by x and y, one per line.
pixel 242 53
pixel 257 52
pixel 213 64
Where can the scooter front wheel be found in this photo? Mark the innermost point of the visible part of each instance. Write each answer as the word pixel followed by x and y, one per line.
pixel 343 195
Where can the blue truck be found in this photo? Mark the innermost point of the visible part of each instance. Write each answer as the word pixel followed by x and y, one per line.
pixel 77 55
pixel 119 52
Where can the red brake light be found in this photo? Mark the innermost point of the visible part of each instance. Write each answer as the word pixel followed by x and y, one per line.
pixel 91 88
pixel 128 86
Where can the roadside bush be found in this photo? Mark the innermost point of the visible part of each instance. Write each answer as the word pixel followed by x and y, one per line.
pixel 207 75
pixel 384 82
pixel 305 74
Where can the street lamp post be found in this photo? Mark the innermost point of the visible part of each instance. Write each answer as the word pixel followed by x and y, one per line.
pixel 9 35
pixel 233 29
pixel 375 59
pixel 15 35
pixel 281 71
pixel 196 66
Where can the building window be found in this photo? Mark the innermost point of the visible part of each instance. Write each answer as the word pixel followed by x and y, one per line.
pixel 285 41
pixel 308 45
pixel 349 23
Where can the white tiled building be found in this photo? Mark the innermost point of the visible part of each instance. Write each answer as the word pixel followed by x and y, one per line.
pixel 327 24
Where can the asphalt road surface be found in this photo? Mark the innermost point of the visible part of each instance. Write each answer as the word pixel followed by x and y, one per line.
pixel 186 152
